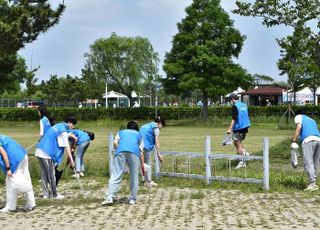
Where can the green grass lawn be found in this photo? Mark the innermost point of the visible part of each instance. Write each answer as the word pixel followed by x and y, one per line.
pixel 182 136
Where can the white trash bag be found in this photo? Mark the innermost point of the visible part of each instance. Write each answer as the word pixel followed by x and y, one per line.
pixel 294 157
pixel 294 154
pixel 227 140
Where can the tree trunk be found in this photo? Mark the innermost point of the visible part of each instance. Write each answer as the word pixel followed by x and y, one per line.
pixel 205 105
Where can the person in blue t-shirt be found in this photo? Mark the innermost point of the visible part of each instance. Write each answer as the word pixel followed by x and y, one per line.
pixel 14 163
pixel 309 134
pixel 150 133
pixel 46 122
pixel 81 143
pixel 50 151
pixel 239 126
pixel 128 144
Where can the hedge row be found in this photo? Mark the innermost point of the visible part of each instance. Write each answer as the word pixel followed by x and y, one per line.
pixel 148 113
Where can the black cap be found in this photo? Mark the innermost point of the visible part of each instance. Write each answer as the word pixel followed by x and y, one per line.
pixel 233 96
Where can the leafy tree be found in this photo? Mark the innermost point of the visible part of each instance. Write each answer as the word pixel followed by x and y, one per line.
pixel 124 62
pixel 293 61
pixel 202 53
pixel 21 22
pixel 301 16
pixel 260 79
pixel 63 89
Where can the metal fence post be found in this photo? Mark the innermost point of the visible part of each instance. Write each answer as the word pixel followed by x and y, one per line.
pixel 266 163
pixel 207 158
pixel 110 152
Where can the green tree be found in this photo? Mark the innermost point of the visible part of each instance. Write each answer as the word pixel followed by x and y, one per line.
pixel 21 22
pixel 302 61
pixel 260 79
pixel 124 62
pixel 294 60
pixel 202 54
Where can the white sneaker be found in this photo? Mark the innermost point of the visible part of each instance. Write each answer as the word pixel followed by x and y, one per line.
pixel 241 164
pixel 76 175
pixel 107 202
pixel 59 197
pixel 81 174
pixel 4 210
pixel 132 201
pixel 312 187
pixel 153 184
pixel 28 208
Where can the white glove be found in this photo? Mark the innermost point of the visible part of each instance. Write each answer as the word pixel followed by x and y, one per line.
pixel 294 145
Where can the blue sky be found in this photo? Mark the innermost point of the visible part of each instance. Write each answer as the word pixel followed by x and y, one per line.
pixel 61 50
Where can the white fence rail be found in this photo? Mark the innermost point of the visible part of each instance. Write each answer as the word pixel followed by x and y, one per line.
pixel 208 157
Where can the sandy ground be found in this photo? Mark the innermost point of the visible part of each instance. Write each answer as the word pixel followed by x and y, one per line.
pixel 170 208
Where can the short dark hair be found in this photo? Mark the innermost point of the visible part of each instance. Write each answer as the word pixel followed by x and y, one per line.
pixel 160 120
pixel 133 125
pixel 70 118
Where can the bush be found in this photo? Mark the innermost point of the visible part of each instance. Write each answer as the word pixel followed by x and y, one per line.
pixel 263 114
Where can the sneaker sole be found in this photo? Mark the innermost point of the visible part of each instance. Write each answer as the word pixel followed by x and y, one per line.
pixel 311 190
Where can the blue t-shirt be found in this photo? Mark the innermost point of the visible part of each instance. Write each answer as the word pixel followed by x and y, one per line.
pixel 14 151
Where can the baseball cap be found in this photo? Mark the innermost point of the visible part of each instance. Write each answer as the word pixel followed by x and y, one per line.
pixel 233 96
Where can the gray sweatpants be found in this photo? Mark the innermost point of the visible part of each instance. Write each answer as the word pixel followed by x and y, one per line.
pixel 311 158
pixel 48 179
pixel 119 163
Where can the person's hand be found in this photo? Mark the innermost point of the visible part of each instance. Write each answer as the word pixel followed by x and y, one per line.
pixel 229 131
pixel 294 145
pixel 9 173
pixel 160 157
pixel 71 162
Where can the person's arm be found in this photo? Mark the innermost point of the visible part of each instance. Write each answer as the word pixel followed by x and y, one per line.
pixel 231 126
pixel 6 161
pixel 296 132
pixel 116 141
pixel 63 141
pixel 41 130
pixel 157 147
pixel 74 142
pixel 234 118
pixel 142 164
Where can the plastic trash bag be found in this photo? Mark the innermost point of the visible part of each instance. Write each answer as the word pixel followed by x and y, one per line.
pixel 294 157
pixel 227 140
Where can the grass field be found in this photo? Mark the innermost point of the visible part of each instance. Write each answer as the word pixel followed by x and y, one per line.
pixel 181 136
pixel 177 203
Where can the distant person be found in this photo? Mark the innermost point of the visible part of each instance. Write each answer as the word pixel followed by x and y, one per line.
pixel 268 103
pixel 14 163
pixel 128 145
pixel 150 133
pixel 309 134
pixel 136 104
pixel 46 120
pixel 50 151
pixel 81 143
pixel 239 126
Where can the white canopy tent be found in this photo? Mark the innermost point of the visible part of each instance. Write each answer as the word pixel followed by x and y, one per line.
pixel 303 96
pixel 238 91
pixel 113 94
